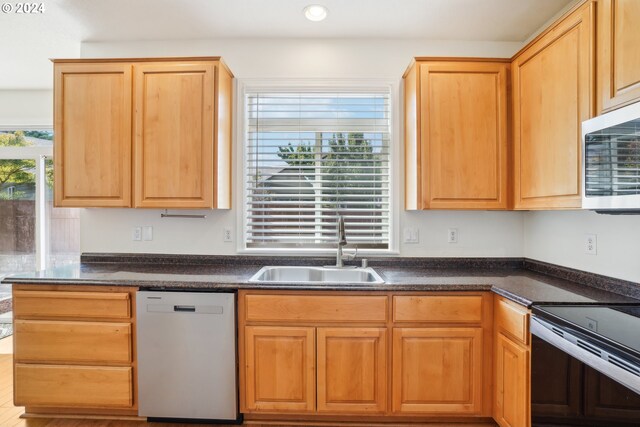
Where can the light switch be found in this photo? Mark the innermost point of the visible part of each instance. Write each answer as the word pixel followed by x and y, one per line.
pixel 147 232
pixel 411 235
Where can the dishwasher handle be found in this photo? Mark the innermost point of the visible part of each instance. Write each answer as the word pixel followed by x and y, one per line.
pixel 184 308
pixel 187 308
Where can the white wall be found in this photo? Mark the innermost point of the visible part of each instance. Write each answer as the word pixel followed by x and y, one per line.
pixel 26 108
pixel 306 58
pixel 559 238
pixel 480 233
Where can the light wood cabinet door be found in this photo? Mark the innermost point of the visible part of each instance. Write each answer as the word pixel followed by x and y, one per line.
pixel 456 135
pixel 174 134
pixel 315 308
pixel 35 304
pixel 618 53
pixel 72 342
pixel 437 370
pixel 512 390
pixel 352 370
pixel 438 309
pixel 92 132
pixel 280 369
pixel 73 386
pixel 464 134
pixel 552 94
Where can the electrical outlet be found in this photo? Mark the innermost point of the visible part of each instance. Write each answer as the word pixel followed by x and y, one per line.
pixel 147 233
pixel 411 235
pixel 136 234
pixel 591 244
pixel 452 235
pixel 227 235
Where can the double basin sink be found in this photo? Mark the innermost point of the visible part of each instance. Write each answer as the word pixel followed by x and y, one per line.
pixel 316 275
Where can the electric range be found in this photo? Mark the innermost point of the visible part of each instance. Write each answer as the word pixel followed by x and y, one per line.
pixel 585 365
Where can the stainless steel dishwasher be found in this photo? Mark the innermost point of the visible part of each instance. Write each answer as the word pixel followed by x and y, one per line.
pixel 187 356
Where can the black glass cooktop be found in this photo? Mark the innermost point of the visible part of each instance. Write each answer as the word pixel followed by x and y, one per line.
pixel 615 324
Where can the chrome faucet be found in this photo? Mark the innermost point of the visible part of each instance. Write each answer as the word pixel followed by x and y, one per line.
pixel 342 241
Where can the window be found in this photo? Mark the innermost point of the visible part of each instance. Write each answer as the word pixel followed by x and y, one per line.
pixel 33 234
pixel 311 156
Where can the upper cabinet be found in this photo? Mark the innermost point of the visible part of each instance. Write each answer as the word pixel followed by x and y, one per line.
pixel 552 94
pixel 180 125
pixel 456 134
pixel 92 149
pixel 618 53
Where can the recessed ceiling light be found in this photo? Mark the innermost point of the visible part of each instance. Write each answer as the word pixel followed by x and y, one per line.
pixel 315 12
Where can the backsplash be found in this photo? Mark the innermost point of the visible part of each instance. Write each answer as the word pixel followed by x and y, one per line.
pixel 480 234
pixel 559 238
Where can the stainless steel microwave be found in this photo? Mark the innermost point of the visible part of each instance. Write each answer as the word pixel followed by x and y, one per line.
pixel 611 161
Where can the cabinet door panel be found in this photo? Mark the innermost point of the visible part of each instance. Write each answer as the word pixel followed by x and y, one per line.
pixel 618 53
pixel 511 405
pixel 73 386
pixel 280 369
pixel 433 308
pixel 72 342
pixel 606 399
pixel 352 370
pixel 316 308
pixel 33 304
pixel 512 320
pixel 552 96
pixel 174 135
pixel 437 370
pixel 556 382
pixel 92 150
pixel 464 129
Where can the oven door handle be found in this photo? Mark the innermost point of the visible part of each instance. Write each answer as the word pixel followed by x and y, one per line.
pixel 569 344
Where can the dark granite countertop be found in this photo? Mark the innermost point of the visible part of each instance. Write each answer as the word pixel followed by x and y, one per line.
pixel 519 284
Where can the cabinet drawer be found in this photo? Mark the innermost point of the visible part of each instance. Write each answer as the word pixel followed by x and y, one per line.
pixel 59 304
pixel 74 342
pixel 512 320
pixel 432 308
pixel 73 386
pixel 323 308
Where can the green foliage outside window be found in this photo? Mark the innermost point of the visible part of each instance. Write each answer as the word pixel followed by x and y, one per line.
pixel 348 156
pixel 20 173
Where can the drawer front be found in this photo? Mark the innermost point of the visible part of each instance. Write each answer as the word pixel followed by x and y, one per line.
pixel 322 308
pixel 432 308
pixel 512 320
pixel 73 386
pixel 74 342
pixel 61 304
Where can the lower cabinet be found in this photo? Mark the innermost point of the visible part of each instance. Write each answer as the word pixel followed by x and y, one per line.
pixel 352 370
pixel 437 370
pixel 73 386
pixel 511 356
pixel 511 383
pixel 280 365
pixel 74 349
pixel 337 354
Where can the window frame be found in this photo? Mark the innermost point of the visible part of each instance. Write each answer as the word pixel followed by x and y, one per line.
pixel 39 155
pixel 244 86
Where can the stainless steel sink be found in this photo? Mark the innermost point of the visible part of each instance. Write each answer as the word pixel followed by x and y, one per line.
pixel 296 274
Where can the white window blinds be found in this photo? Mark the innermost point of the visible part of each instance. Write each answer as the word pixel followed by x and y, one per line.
pixel 312 156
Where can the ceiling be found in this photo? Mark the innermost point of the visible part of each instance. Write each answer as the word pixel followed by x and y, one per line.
pixel 59 31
